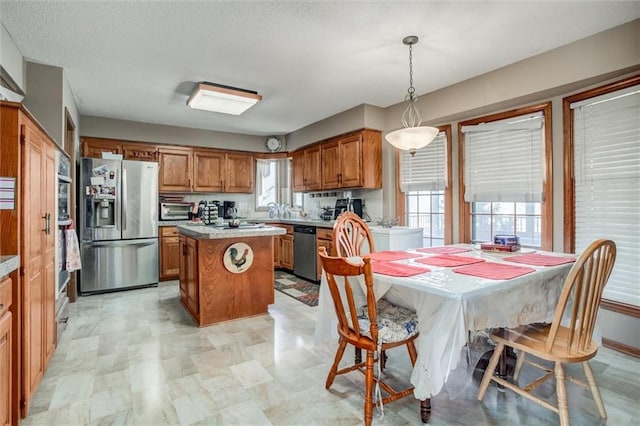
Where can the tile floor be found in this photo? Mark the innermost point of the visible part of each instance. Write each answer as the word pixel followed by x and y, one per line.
pixel 137 358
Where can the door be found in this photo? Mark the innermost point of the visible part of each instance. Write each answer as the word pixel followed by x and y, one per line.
pixel 331 165
pixel 351 162
pixel 170 257
pixel 109 265
pixel 313 169
pixel 93 226
pixel 208 171
pixel 191 274
pixel 240 173
pixel 175 169
pixel 48 191
pixel 297 169
pixel 139 199
pixel 5 369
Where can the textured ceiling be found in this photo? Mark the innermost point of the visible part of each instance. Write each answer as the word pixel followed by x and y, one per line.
pixel 308 59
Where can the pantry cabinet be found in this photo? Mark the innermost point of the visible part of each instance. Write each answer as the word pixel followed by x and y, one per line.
pixel 29 155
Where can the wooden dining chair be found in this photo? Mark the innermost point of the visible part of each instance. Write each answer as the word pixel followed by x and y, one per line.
pixel 571 343
pixel 373 328
pixel 350 233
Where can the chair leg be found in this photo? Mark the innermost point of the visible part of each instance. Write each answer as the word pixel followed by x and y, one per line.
pixel 413 355
pixel 425 410
pixel 334 368
pixel 491 368
pixel 594 389
pixel 368 389
pixel 519 361
pixel 561 393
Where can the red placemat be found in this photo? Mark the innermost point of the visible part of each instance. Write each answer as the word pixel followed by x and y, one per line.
pixel 449 261
pixel 494 271
pixel 443 250
pixel 392 255
pixel 397 269
pixel 540 259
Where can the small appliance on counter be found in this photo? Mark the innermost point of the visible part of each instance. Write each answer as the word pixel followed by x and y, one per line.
pixel 326 213
pixel 229 209
pixel 348 204
pixel 175 210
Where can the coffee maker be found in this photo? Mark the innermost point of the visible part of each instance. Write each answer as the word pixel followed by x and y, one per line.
pixel 347 204
pixel 229 209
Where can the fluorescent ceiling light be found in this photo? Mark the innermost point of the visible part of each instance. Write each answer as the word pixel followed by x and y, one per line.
pixel 224 99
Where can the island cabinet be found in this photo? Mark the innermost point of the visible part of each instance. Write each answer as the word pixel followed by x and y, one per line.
pixel 94 147
pixel 169 253
pixel 226 273
pixel 184 169
pixel 324 238
pixel 29 230
pixel 307 169
pixel 6 362
pixel 283 247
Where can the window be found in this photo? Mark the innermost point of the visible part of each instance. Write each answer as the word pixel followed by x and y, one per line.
pixel 506 185
pixel 273 182
pixel 423 191
pixel 603 163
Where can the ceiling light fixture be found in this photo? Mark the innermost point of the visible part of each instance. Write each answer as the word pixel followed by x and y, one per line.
pixel 225 99
pixel 412 136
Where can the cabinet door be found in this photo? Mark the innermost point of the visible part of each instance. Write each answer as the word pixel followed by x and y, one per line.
pixel 182 241
pixel 48 192
pixel 329 246
pixel 175 169
pixel 94 147
pixel 191 276
pixel 313 169
pixel 297 170
pixel 5 369
pixel 208 169
pixel 286 251
pixel 240 172
pixel 35 224
pixel 330 165
pixel 351 162
pixel 170 256
pixel 277 250
pixel 139 152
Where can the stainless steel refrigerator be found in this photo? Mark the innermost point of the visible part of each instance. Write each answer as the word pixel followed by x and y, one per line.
pixel 118 224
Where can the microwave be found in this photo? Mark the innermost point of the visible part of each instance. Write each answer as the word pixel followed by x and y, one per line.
pixel 175 211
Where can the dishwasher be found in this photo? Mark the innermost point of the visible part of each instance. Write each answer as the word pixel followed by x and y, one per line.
pixel 304 252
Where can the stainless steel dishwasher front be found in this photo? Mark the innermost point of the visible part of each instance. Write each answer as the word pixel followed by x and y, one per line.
pixel 304 252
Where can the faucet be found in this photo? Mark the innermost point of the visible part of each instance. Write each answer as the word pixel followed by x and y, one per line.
pixel 275 210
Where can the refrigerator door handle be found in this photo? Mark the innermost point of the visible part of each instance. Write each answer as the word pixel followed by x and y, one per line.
pixel 120 243
pixel 124 199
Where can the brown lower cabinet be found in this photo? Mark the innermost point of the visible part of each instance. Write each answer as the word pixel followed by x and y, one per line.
pixel 324 238
pixel 5 351
pixel 189 275
pixel 283 247
pixel 169 253
pixel 29 230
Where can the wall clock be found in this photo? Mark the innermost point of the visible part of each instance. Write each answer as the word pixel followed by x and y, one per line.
pixel 238 258
pixel 274 144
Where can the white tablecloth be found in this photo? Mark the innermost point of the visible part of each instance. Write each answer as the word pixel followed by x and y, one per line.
pixel 449 305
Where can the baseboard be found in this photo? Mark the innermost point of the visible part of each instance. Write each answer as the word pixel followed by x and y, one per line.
pixel 621 347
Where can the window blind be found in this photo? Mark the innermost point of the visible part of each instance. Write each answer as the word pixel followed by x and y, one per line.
pixel 426 170
pixel 504 160
pixel 607 184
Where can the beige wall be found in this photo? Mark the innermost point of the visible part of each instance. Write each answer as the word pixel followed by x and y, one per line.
pixel 156 133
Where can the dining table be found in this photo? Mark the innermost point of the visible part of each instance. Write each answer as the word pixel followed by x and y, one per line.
pixel 455 290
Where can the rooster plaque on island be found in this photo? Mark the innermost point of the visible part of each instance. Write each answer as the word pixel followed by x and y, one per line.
pixel 238 258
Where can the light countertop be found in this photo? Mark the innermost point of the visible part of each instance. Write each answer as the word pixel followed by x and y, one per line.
pixel 8 264
pixel 204 232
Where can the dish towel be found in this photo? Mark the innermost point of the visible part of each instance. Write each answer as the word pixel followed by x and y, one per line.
pixel 397 269
pixel 392 255
pixel 536 259
pixel 449 261
pixel 73 250
pixel 443 250
pixel 494 271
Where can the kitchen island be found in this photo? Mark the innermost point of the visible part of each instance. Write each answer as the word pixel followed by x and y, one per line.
pixel 226 273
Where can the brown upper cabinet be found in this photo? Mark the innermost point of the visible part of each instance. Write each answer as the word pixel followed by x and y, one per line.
pixel 94 147
pixel 307 170
pixel 185 169
pixel 352 160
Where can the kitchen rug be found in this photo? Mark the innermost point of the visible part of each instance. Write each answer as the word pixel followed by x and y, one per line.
pixel 298 288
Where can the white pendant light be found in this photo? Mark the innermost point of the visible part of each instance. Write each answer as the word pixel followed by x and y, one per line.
pixel 412 136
